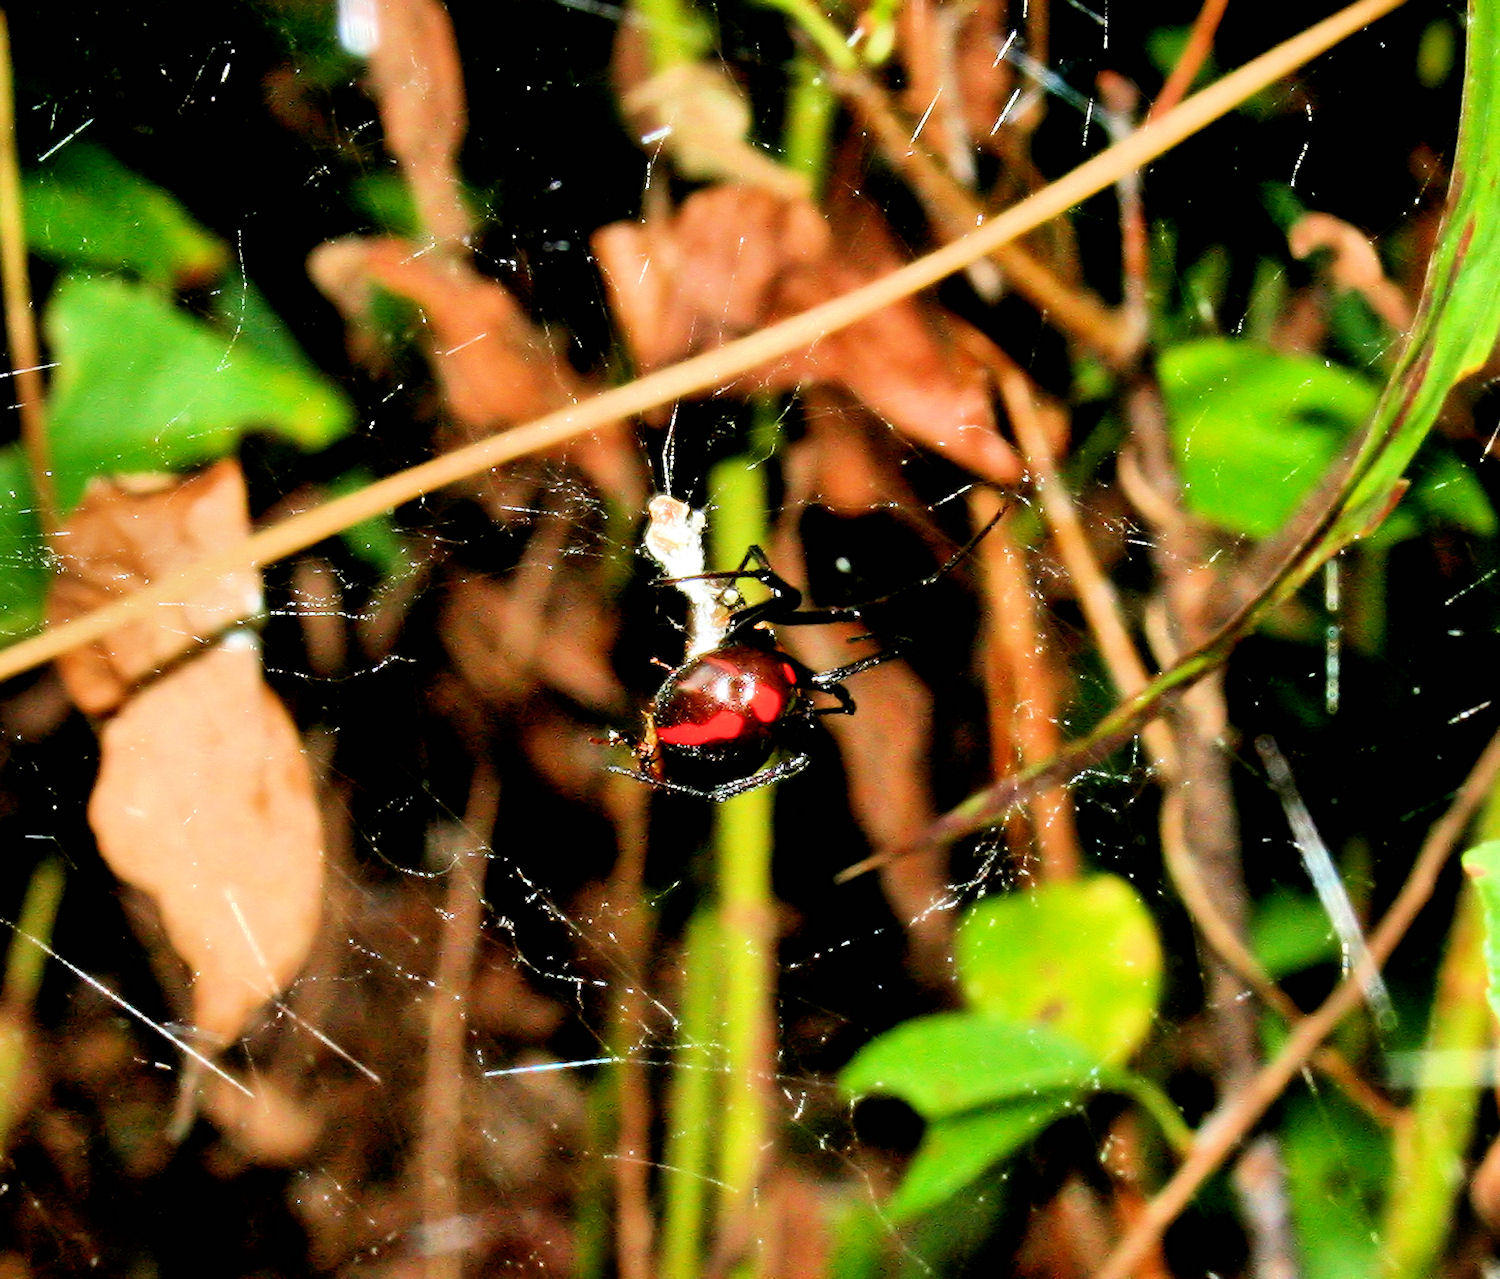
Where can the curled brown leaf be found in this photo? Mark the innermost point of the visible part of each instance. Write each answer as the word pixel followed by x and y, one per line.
pixel 734 258
pixel 205 803
pixel 1356 265
pixel 204 800
pixel 417 80
pixel 494 366
pixel 126 532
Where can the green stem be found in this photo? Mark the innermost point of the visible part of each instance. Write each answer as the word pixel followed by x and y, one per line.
pixel 1159 1106
pixel 692 1104
pixel 810 110
pixel 821 30
pixel 745 912
pixel 742 850
pixel 591 1218
pixel 1429 1147
pixel 25 963
pixel 675 31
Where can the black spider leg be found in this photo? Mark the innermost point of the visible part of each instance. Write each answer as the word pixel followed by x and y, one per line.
pixel 933 578
pixel 784 608
pixel 832 681
pixel 785 768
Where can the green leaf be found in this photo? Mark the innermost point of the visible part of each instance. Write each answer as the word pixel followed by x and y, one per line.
pixel 951 1062
pixel 941 1242
pixel 1336 1164
pixel 240 310
pixel 1459 319
pixel 23 550
pixel 1255 429
pixel 85 209
pixel 142 386
pixel 376 540
pixel 956 1150
pixel 1291 932
pixel 1482 863
pixel 1448 491
pixel 1080 957
pixel 386 199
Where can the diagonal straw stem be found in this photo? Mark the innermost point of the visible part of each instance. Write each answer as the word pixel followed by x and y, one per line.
pixel 713 368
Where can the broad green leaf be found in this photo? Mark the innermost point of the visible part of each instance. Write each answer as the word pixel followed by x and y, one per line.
pixel 23 551
pixel 951 1062
pixel 1336 1166
pixel 85 209
pixel 1446 491
pixel 142 386
pixel 1437 53
pixel 1255 429
pixel 941 1242
pixel 1292 932
pixel 385 198
pixel 957 1149
pixel 375 540
pixel 241 311
pixel 1080 957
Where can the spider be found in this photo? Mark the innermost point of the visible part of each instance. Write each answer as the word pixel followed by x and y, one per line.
pixel 717 720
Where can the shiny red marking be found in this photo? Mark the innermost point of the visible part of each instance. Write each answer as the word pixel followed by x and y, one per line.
pixel 791 675
pixel 766 703
pixel 723 727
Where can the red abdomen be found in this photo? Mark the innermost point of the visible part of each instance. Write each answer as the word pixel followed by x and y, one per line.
pixel 722 707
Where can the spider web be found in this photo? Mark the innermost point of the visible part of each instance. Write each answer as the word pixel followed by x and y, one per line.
pixel 469 831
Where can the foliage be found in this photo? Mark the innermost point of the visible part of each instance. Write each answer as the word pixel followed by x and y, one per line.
pixel 1061 985
pixel 649 1039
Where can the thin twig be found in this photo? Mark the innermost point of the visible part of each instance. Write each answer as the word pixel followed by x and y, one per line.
pixel 955 212
pixel 1221 1133
pixel 20 318
pixel 1120 100
pixel 1032 714
pixel 720 366
pixel 1200 43
pixel 634 1230
pixel 439 1157
pixel 1096 593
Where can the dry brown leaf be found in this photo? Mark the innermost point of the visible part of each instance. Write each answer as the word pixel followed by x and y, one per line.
pixel 205 803
pixel 506 637
pixel 844 461
pixel 955 84
pixel 736 258
pixel 694 111
pixel 204 800
pixel 703 119
pixel 495 367
pixel 417 79
pixel 123 534
pixel 984 78
pixel 886 749
pixel 269 1125
pixel 1484 1189
pixel 1356 264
